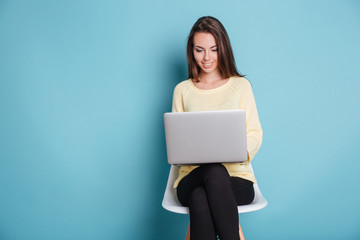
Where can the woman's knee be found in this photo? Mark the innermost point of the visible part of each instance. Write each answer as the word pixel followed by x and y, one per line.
pixel 216 171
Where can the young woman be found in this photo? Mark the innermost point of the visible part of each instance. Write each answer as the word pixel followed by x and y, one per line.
pixel 213 191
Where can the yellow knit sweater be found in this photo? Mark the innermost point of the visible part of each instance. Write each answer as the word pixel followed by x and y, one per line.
pixel 236 93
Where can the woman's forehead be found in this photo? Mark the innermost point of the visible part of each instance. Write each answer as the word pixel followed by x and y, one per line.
pixel 204 39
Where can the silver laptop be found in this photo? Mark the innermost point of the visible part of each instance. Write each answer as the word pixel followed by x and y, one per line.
pixel 205 137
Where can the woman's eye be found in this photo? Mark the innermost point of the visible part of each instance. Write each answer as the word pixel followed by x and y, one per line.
pixel 214 50
pixel 198 50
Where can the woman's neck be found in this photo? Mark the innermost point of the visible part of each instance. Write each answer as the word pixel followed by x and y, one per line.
pixel 210 77
pixel 210 81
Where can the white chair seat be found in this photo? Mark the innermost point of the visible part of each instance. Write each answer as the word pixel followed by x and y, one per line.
pixel 171 203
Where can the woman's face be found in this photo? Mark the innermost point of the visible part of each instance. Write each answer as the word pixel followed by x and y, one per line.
pixel 205 52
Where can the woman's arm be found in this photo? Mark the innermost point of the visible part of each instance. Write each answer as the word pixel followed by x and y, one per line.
pixel 177 105
pixel 254 131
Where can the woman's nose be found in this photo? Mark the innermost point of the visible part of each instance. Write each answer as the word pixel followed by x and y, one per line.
pixel 206 56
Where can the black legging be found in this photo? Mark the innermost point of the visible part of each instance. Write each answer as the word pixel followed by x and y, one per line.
pixel 212 197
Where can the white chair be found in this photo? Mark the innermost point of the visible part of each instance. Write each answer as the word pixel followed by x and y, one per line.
pixel 171 203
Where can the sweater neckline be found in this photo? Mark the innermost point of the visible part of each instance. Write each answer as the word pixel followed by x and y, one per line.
pixel 212 90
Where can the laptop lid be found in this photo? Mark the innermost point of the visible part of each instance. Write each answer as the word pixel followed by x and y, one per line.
pixel 206 137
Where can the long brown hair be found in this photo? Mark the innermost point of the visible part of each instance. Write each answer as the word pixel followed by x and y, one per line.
pixel 226 59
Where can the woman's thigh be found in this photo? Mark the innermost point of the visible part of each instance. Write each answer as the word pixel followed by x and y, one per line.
pixel 196 178
pixel 243 190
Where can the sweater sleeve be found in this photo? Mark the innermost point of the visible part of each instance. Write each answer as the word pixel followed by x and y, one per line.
pixel 177 104
pixel 254 131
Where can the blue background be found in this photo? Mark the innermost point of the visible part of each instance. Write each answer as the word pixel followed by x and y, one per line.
pixel 83 89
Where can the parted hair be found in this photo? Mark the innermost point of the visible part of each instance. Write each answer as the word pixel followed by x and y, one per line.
pixel 227 66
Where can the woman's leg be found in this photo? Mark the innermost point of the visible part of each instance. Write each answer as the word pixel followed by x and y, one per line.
pixel 201 223
pixel 243 190
pixel 216 183
pixel 244 193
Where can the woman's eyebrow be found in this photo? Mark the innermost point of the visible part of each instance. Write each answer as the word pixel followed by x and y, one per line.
pixel 203 48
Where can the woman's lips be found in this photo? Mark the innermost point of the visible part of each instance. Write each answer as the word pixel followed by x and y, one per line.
pixel 207 65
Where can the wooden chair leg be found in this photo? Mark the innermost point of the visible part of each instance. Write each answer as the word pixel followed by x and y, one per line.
pixel 241 233
pixel 188 233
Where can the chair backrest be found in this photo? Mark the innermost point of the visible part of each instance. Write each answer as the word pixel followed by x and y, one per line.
pixel 171 203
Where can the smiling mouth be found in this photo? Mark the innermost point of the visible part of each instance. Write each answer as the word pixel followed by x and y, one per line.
pixel 207 65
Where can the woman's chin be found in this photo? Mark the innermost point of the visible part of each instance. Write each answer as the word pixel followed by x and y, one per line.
pixel 208 70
